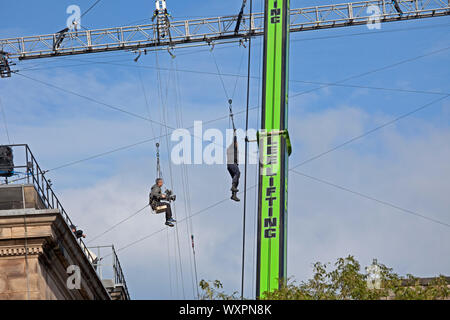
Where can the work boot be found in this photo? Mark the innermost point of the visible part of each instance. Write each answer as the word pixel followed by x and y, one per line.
pixel 170 224
pixel 234 197
pixel 234 189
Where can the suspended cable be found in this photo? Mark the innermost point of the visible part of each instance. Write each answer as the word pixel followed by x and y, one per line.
pixel 398 118
pixel 158 164
pixel 27 265
pixel 218 203
pixel 15 180
pixel 90 8
pixel 369 33
pixel 237 77
pixel 224 200
pixel 220 75
pixel 371 198
pixel 256 175
pixel 378 32
pixel 186 206
pixel 134 144
pixel 195 267
pixel 180 221
pixel 168 262
pixel 374 71
pixel 342 145
pixel 118 223
pixel 160 97
pixel 404 115
pixel 90 99
pixel 145 97
pixel 307 39
pixel 221 118
pixel 229 98
pixel 185 183
pixel 326 84
pixel 347 142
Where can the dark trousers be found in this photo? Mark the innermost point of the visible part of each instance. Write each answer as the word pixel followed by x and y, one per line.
pixel 233 169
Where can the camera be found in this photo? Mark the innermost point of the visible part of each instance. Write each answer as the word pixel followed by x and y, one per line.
pixel 170 196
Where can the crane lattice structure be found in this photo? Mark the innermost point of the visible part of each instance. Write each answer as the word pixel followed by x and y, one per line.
pixel 216 30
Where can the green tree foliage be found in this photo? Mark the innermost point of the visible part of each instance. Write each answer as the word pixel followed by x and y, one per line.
pixel 346 281
pixel 210 291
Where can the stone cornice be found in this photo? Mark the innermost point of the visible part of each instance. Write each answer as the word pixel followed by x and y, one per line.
pixel 20 250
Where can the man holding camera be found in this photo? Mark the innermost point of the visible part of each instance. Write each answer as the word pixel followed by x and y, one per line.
pixel 160 202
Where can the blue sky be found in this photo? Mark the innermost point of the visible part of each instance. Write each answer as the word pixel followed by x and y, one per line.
pixel 406 164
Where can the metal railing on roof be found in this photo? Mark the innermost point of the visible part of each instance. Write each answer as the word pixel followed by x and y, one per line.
pixel 36 176
pixel 114 272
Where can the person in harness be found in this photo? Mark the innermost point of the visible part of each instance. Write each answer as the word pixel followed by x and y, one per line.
pixel 233 167
pixel 160 202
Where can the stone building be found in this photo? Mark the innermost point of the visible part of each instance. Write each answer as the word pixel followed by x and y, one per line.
pixel 40 257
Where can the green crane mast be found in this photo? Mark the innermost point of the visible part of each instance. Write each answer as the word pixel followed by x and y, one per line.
pixel 274 150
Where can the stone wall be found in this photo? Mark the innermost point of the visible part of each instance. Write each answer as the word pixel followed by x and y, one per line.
pixel 36 248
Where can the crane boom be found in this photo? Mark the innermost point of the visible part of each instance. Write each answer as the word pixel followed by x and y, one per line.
pixel 216 30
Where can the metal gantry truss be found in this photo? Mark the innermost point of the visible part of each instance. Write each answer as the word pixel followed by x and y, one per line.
pixel 206 31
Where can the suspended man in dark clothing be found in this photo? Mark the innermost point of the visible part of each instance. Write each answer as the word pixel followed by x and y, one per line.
pixel 160 202
pixel 233 167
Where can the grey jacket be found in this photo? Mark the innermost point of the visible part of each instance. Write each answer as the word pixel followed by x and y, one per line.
pixel 155 193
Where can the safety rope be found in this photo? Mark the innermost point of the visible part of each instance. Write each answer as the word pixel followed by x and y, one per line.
pixel 164 122
pixel 230 106
pixel 255 217
pixel 90 8
pixel 159 89
pixel 158 164
pixel 5 124
pixel 27 267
